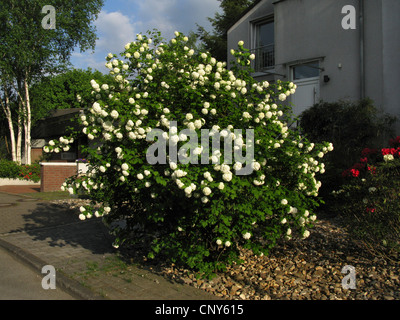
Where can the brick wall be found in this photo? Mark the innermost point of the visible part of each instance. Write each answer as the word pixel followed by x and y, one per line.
pixel 53 175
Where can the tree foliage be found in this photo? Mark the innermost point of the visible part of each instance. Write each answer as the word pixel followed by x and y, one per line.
pixel 216 42
pixel 26 45
pixel 63 91
pixel 28 52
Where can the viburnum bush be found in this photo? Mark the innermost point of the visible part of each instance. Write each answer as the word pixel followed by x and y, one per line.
pixel 191 203
pixel 369 201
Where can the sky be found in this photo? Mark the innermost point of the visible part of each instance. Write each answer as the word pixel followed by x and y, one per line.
pixel 120 20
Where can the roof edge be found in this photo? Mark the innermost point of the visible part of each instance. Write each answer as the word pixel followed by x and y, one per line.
pixel 256 3
pixel 252 7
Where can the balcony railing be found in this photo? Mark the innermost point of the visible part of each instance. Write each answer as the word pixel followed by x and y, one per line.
pixel 265 58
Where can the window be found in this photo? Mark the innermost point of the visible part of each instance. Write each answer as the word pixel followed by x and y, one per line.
pixel 263 46
pixel 304 71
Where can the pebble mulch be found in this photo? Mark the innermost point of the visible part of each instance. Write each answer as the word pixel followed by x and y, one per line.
pixel 309 269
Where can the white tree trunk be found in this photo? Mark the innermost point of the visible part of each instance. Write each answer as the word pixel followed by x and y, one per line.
pixel 27 123
pixel 23 122
pixel 7 111
pixel 19 135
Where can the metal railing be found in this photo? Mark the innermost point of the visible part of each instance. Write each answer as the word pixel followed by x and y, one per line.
pixel 265 57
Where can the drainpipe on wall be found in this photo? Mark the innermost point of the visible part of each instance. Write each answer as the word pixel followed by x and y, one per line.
pixel 362 67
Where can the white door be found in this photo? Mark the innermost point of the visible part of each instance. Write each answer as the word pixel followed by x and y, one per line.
pixel 306 95
pixel 306 77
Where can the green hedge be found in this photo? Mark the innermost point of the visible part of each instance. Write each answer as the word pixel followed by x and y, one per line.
pixel 10 169
pixel 350 126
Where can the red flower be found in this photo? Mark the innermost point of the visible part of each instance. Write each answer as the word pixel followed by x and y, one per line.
pixel 392 151
pixel 372 169
pixel 355 172
pixel 370 210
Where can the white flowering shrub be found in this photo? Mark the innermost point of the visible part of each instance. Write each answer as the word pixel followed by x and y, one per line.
pixel 196 213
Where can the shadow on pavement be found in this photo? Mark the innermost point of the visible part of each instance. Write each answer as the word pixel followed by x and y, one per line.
pixel 60 226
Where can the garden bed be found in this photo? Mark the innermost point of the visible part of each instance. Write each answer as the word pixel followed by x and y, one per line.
pixel 308 269
pixel 15 172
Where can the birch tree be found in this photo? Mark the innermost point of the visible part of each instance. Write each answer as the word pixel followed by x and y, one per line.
pixel 37 38
pixel 7 105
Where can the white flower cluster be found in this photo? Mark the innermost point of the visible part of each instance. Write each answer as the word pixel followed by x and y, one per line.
pixel 56 146
pixel 85 214
pixel 388 157
pixel 293 214
pixel 287 93
pixel 104 122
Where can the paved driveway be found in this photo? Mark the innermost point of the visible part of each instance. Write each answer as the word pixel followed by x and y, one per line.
pixel 20 282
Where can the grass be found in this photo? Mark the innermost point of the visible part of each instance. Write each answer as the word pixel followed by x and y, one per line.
pixel 112 266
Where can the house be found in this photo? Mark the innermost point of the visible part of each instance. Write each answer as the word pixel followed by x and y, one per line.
pixel 62 165
pixel 332 49
pixel 52 127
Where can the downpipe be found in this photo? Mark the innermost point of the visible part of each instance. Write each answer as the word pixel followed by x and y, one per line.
pixel 362 64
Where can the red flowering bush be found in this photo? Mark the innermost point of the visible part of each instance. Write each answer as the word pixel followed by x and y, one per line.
pixel 369 200
pixel 30 172
pixel 369 157
pixel 12 170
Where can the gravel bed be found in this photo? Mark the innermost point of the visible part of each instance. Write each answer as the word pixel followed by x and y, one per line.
pixel 308 269
pixel 71 203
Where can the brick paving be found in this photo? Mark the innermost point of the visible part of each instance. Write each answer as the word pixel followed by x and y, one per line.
pixel 20 189
pixel 52 234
